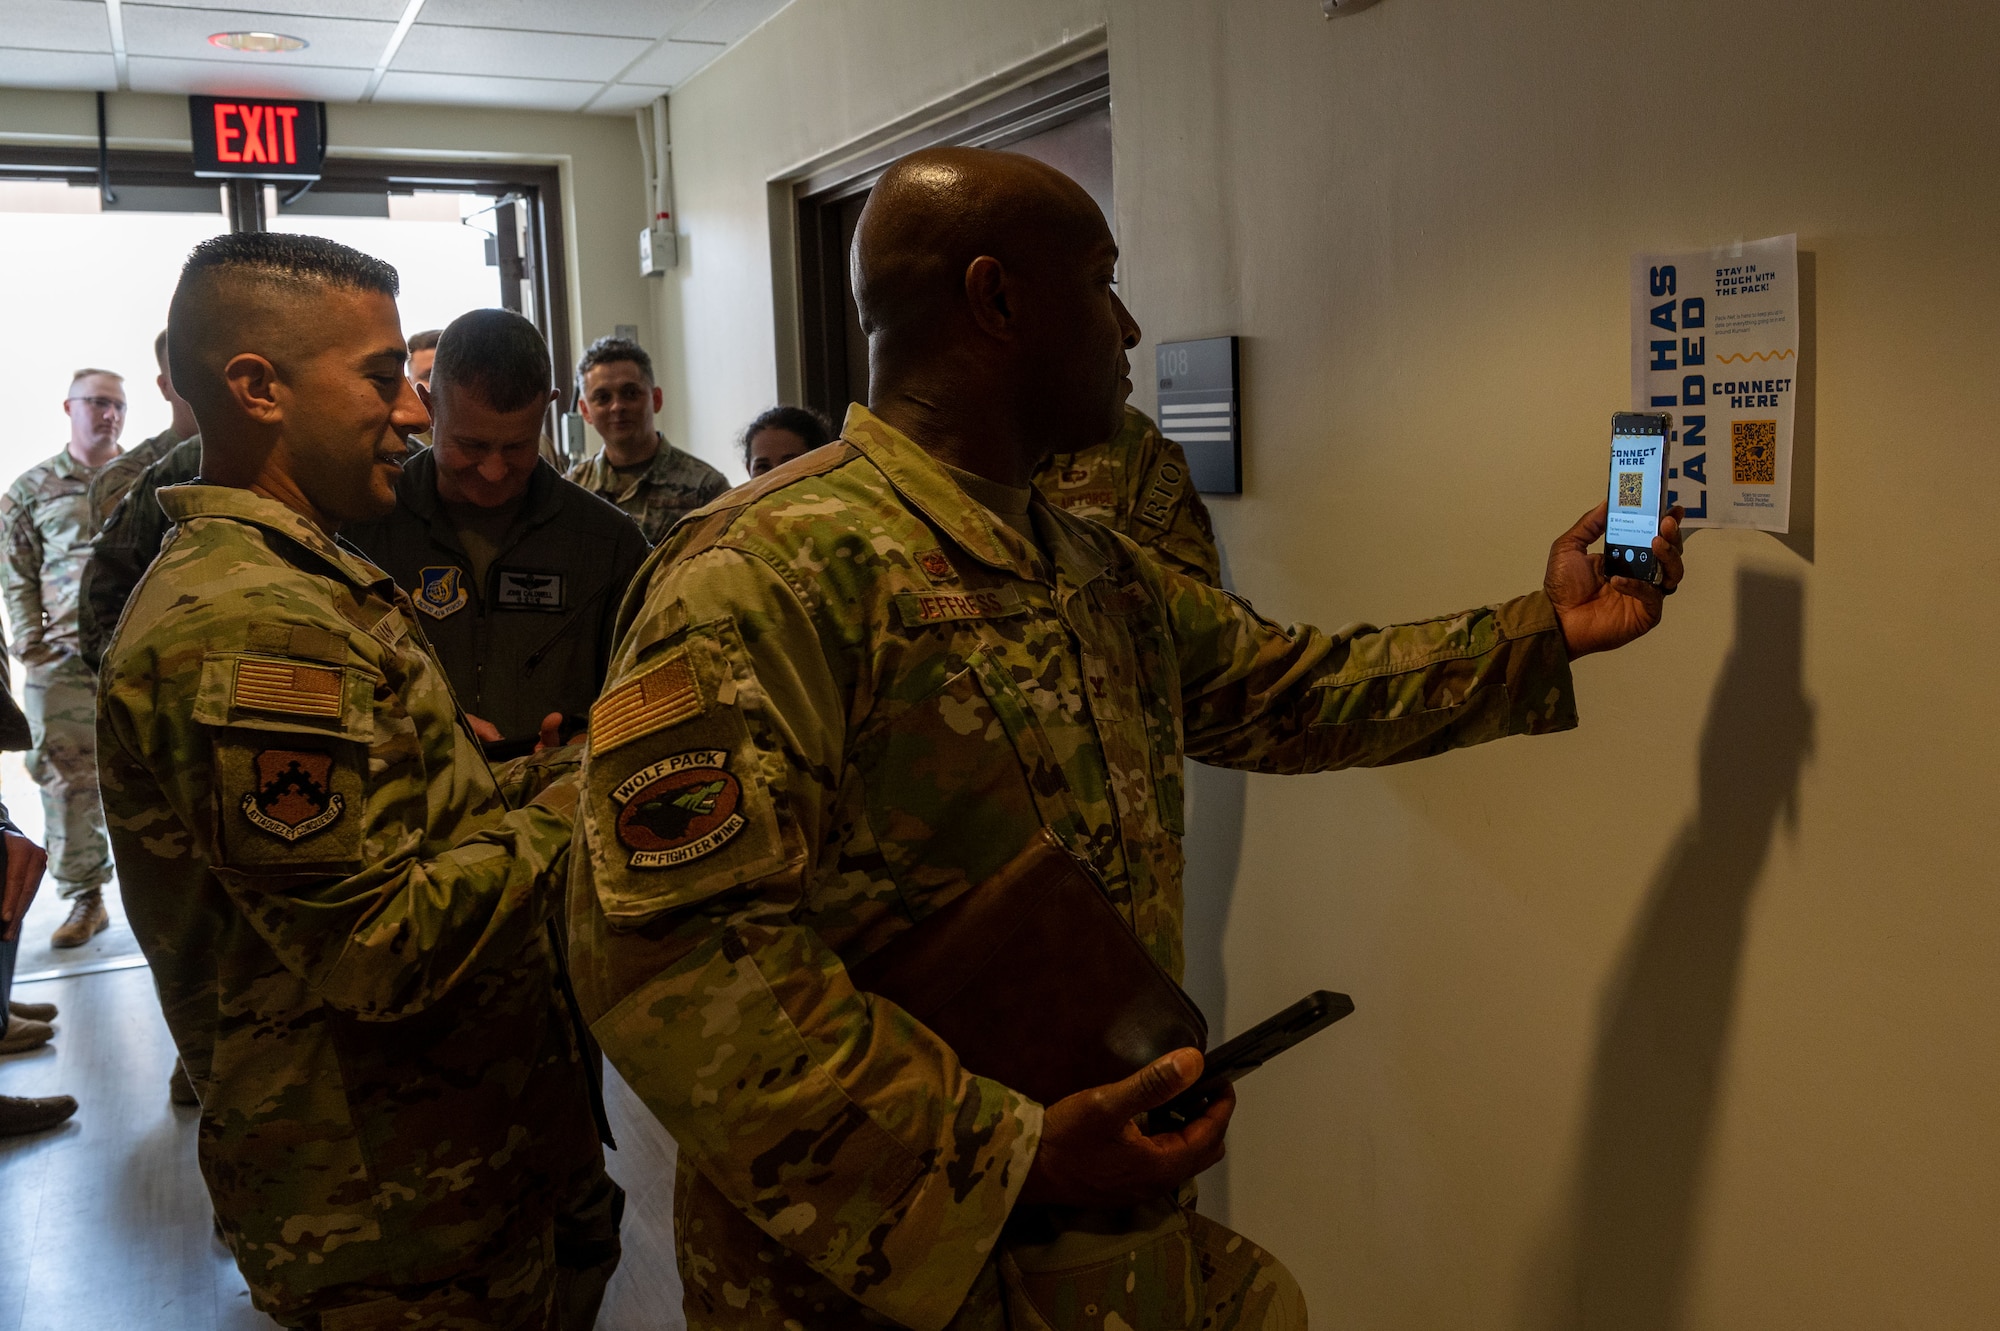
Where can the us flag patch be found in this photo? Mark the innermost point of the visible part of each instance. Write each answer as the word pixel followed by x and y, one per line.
pixel 665 695
pixel 287 687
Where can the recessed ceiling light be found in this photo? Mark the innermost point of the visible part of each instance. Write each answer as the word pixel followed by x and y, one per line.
pixel 262 43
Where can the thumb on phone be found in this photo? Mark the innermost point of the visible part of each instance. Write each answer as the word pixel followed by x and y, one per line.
pixel 1151 1086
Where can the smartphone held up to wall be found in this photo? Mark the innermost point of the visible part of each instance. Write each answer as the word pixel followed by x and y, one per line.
pixel 1638 493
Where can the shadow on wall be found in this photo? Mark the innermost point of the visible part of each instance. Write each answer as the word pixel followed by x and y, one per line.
pixel 1622 1261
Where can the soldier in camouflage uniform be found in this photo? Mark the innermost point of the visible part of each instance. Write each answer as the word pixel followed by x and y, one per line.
pixel 638 470
pixel 349 915
pixel 861 684
pixel 117 476
pixel 126 544
pixel 47 524
pixel 1138 483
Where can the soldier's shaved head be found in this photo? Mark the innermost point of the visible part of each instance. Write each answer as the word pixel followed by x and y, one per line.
pixel 289 349
pixel 244 292
pixel 984 284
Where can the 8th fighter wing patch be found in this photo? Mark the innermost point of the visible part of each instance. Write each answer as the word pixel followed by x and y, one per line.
pixel 294 797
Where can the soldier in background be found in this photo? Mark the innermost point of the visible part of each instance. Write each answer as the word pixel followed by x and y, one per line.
pixel 347 912
pixel 130 538
pixel 423 355
pixel 46 522
pixel 1138 483
pixel 863 683
pixel 118 475
pixel 517 572
pixel 638 470
pixel 781 434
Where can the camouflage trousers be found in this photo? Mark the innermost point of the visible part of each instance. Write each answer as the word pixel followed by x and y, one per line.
pixel 1158 1268
pixel 61 703
pixel 554 1284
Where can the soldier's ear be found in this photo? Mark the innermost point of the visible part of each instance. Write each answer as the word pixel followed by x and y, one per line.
pixel 989 296
pixel 252 382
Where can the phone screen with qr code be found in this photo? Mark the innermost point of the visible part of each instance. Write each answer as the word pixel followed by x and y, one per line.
pixel 1638 487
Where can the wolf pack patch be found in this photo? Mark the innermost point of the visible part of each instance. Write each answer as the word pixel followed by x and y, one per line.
pixel 678 809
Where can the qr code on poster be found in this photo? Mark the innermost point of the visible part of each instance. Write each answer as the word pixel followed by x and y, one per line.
pixel 1631 489
pixel 1754 445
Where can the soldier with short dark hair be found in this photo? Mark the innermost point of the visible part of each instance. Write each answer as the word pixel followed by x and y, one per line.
pixel 347 910
pixel 781 434
pixel 517 572
pixel 117 476
pixel 638 470
pixel 857 688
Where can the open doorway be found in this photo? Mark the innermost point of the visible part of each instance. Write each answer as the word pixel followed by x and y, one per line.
pixel 1062 118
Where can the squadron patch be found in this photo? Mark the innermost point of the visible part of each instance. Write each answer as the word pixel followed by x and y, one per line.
pixel 294 797
pixel 441 591
pixel 678 809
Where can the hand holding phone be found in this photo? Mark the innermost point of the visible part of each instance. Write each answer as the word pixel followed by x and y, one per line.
pixel 1637 496
pixel 1237 1058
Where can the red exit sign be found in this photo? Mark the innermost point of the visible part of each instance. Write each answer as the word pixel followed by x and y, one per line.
pixel 259 137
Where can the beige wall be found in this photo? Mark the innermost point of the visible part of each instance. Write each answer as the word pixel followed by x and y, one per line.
pixel 604 194
pixel 1687 1018
pixel 823 73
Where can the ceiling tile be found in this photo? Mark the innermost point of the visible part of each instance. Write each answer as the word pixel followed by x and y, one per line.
pixel 155 74
pixel 183 33
pixel 57 25
pixel 56 69
pixel 672 63
pixel 391 10
pixel 477 90
pixel 610 18
pixel 727 20
pixel 493 51
pixel 627 97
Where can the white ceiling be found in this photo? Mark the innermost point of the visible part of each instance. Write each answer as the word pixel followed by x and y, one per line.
pixel 556 55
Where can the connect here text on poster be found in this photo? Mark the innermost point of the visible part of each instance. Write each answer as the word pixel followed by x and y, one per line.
pixel 1715 341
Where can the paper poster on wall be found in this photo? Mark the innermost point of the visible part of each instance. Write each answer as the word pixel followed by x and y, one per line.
pixel 1715 340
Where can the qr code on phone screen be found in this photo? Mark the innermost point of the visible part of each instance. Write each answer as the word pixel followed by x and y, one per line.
pixel 1631 489
pixel 1754 448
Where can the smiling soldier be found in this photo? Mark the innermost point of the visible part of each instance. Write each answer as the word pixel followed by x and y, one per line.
pixel 346 910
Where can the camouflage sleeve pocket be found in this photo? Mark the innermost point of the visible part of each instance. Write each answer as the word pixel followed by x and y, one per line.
pixel 678 798
pixel 288 800
pixel 291 741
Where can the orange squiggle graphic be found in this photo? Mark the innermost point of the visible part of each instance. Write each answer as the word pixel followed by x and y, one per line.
pixel 1757 355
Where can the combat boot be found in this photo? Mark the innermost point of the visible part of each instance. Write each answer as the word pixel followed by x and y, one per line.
pixel 32 1011
pixel 87 919
pixel 23 1035
pixel 19 1115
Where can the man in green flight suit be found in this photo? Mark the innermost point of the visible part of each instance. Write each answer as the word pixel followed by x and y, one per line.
pixel 859 685
pixel 347 912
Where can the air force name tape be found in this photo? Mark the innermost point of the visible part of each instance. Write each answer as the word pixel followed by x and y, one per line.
pixel 920 608
pixel 678 809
